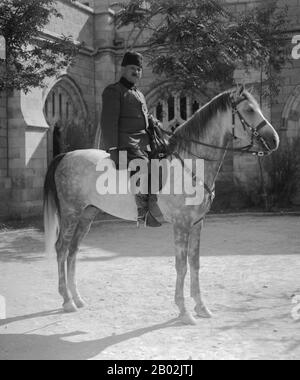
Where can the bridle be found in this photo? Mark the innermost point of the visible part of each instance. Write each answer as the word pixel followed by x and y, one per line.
pixel 255 135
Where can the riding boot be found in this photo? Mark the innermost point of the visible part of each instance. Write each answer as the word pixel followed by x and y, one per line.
pixel 144 214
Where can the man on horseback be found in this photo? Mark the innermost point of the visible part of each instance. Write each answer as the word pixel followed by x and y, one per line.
pixel 124 124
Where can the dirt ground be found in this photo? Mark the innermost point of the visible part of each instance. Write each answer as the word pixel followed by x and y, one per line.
pixel 249 276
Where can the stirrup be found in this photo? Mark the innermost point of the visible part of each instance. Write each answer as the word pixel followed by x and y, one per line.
pixel 148 220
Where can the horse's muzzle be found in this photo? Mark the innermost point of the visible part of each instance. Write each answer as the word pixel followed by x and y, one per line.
pixel 271 140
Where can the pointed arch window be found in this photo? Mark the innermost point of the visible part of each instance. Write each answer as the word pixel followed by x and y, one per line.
pixel 175 109
pixel 60 106
pixel 171 108
pixel 195 106
pixel 53 104
pixel 63 105
pixel 67 110
pixel 183 108
pixel 159 111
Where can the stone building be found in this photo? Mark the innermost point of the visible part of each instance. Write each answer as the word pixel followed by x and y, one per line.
pixel 27 121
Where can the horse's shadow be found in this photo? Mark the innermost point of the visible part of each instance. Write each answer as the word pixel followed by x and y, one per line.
pixel 5 322
pixel 56 347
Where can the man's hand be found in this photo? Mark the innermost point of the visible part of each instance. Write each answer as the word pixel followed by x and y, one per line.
pixel 154 120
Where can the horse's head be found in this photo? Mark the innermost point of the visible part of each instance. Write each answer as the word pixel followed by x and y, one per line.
pixel 249 124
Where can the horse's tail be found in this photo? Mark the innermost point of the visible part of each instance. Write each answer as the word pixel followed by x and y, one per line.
pixel 51 207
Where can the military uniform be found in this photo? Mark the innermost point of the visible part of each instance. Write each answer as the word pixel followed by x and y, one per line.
pixel 124 119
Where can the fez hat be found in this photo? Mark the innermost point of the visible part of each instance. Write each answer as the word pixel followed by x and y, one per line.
pixel 132 58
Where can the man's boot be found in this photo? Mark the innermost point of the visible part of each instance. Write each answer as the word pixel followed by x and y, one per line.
pixel 144 215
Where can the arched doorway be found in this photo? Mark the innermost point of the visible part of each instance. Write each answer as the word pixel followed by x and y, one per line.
pixel 66 114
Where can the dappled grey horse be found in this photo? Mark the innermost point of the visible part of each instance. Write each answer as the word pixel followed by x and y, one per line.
pixel 72 199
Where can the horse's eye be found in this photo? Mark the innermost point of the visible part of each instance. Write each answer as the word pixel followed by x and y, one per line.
pixel 250 110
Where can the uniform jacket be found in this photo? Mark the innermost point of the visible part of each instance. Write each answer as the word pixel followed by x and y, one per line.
pixel 124 118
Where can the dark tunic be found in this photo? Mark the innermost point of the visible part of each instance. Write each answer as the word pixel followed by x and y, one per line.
pixel 124 118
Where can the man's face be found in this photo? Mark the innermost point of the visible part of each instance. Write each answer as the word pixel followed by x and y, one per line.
pixel 132 73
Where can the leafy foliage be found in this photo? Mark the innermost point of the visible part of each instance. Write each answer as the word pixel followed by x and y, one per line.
pixel 196 42
pixel 30 58
pixel 283 171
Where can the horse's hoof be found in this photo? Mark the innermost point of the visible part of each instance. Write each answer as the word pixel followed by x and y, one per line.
pixel 79 303
pixel 188 319
pixel 203 312
pixel 70 307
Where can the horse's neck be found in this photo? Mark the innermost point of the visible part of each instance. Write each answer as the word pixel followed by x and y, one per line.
pixel 217 134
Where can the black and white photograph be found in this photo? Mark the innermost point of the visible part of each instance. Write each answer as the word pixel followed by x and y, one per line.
pixel 149 182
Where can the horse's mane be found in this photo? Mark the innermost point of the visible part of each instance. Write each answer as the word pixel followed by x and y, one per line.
pixel 197 126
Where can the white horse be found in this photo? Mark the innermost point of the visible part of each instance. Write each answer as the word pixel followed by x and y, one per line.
pixel 72 201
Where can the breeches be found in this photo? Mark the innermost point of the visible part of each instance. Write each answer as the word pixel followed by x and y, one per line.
pixel 138 154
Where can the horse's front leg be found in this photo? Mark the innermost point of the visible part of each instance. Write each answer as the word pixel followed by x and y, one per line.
pixel 181 250
pixel 194 261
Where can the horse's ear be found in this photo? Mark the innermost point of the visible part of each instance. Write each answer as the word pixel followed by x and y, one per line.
pixel 237 93
pixel 241 89
pixel 251 90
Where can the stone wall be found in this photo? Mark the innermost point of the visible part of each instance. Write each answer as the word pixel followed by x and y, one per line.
pixel 3 136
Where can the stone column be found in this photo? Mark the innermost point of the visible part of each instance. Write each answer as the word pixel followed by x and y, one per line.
pixel 5 181
pixel 105 60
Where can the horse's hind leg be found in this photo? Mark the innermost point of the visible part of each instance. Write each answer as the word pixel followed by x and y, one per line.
pixel 81 231
pixel 68 226
pixel 181 246
pixel 194 261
